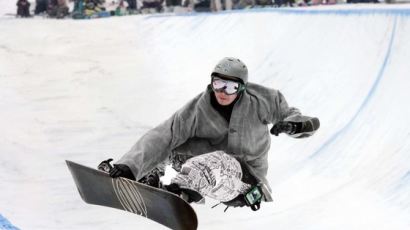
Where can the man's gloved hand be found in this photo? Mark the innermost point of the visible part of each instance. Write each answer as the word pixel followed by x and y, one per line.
pixel 118 170
pixel 121 170
pixel 105 165
pixel 287 127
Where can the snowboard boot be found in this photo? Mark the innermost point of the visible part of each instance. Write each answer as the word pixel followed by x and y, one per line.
pixel 186 194
pixel 153 178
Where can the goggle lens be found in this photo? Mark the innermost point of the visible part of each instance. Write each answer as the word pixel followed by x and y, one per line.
pixel 229 87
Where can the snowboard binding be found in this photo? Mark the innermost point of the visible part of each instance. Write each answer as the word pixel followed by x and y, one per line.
pixel 186 194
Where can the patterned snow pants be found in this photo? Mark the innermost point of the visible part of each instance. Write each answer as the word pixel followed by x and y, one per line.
pixel 216 175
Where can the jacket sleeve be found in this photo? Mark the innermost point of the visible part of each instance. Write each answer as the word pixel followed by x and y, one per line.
pixel 307 125
pixel 157 144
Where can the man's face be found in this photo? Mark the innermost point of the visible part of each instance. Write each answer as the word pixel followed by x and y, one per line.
pixel 226 89
pixel 224 99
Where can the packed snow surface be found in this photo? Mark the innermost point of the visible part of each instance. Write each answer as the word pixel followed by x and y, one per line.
pixel 87 90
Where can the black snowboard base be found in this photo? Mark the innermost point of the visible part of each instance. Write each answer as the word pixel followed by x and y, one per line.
pixel 98 188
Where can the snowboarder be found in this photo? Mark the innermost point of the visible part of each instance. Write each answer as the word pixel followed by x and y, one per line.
pixel 218 142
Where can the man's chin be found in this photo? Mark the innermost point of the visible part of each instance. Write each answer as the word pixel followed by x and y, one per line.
pixel 223 102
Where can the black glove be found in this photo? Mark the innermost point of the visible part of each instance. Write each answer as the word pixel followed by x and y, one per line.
pixel 105 165
pixel 118 170
pixel 288 127
pixel 121 170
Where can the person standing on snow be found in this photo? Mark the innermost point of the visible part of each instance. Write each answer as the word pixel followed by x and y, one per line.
pixel 218 142
pixel 23 8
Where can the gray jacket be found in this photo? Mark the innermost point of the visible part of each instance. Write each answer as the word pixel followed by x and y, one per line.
pixel 197 128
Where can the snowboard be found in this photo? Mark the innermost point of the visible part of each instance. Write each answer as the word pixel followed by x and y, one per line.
pixel 98 188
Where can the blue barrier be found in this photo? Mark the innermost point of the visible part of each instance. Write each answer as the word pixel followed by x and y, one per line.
pixel 5 224
pixel 297 11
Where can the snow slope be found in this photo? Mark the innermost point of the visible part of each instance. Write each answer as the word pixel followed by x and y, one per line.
pixel 87 90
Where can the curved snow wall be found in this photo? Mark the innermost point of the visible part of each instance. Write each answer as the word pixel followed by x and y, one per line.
pixel 347 67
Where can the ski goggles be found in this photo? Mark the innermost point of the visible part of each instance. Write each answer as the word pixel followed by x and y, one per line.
pixel 227 86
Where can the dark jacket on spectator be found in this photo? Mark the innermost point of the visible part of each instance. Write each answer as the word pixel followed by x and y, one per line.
pixel 23 8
